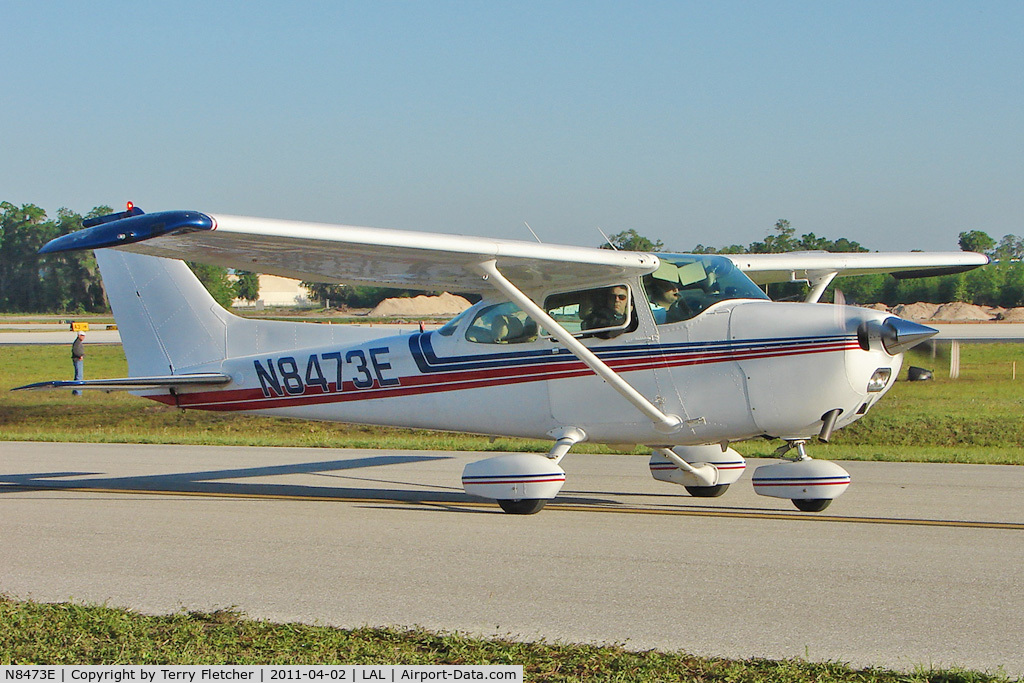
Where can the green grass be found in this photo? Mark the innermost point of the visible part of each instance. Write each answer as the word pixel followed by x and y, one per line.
pixel 983 408
pixel 40 633
pixel 975 419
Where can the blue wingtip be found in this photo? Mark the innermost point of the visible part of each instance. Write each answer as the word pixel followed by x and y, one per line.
pixel 128 227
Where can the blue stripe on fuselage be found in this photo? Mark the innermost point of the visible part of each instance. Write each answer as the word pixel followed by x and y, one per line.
pixel 427 360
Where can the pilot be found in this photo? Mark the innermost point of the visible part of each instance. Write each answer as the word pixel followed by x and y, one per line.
pixel 611 310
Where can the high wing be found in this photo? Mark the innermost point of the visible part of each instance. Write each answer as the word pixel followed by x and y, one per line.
pixel 342 253
pixel 808 265
pixel 430 261
pixel 819 268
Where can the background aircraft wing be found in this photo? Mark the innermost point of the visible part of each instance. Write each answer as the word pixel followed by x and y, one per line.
pixel 349 254
pixel 812 266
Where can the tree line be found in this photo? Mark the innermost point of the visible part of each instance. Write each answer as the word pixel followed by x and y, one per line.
pixel 70 282
pixel 999 284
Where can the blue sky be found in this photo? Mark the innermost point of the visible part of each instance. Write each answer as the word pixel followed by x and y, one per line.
pixel 897 124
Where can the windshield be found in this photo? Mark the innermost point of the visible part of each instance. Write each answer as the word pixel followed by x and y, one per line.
pixel 686 284
pixel 449 327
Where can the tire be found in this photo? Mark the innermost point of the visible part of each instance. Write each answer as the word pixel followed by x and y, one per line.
pixel 526 506
pixel 706 491
pixel 811 504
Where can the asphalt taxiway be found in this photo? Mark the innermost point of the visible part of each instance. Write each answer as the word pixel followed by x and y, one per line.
pixel 916 565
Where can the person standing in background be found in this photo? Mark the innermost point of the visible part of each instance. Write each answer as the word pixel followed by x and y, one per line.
pixel 78 360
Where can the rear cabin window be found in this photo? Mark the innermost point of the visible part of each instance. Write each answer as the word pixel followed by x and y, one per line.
pixel 501 324
pixel 603 312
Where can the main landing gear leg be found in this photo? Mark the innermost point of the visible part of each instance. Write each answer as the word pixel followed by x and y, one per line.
pixel 705 471
pixel 703 477
pixel 811 484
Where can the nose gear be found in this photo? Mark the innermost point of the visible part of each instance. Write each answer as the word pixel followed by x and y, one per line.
pixel 811 484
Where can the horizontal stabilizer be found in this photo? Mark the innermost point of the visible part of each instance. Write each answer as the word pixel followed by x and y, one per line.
pixel 131 383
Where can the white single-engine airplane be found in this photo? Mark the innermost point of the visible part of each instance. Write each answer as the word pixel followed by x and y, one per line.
pixel 683 353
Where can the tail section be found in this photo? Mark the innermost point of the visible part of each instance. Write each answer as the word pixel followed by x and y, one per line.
pixel 169 323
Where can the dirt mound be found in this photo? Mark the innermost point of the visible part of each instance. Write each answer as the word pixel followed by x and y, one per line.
pixel 958 311
pixel 446 304
pixel 918 311
pixel 876 307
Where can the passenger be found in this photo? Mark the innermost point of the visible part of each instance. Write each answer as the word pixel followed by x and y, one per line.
pixel 663 295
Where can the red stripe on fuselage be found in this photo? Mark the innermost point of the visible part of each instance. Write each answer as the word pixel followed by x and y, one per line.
pixel 254 399
pixel 802 482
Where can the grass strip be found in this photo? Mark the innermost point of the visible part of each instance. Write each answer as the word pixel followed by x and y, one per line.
pixel 41 633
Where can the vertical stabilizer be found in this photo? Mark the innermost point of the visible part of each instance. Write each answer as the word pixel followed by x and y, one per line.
pixel 168 322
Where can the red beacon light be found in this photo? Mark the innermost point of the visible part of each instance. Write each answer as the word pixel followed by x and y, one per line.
pixel 130 206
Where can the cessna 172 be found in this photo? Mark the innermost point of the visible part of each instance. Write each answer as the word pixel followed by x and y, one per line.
pixel 683 353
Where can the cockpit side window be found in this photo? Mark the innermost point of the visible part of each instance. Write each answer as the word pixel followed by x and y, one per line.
pixel 686 284
pixel 603 312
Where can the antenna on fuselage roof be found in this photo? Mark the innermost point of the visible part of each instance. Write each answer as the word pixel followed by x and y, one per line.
pixel 532 232
pixel 607 239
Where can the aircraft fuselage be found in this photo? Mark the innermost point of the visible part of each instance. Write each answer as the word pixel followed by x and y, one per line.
pixel 740 369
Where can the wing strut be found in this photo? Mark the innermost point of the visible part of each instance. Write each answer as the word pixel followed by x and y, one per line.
pixel 666 424
pixel 819 280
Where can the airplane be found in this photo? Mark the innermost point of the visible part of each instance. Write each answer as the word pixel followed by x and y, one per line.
pixel 682 353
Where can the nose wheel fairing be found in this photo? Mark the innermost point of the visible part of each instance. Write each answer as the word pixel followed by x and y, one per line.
pixel 811 484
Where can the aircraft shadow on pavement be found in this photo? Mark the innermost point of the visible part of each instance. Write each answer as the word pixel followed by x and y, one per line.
pixel 224 482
